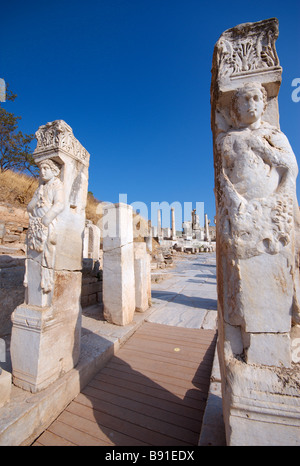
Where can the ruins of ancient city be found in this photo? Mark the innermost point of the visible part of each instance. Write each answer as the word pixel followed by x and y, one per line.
pixel 74 294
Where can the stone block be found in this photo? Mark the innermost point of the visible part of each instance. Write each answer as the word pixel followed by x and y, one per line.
pixel 118 265
pixel 119 285
pixel 270 349
pixel 46 340
pixel 5 387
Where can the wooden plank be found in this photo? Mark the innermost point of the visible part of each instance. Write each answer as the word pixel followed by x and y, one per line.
pixel 172 404
pixel 109 421
pixel 180 392
pixel 174 358
pixel 150 393
pixel 75 436
pixel 48 439
pixel 156 377
pixel 135 361
pixel 158 393
pixel 171 333
pixel 126 414
pixel 159 413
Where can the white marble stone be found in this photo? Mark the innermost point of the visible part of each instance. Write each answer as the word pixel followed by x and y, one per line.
pixel 91 241
pixel 257 225
pixel 118 266
pixel 46 328
pixel 5 387
pixel 141 271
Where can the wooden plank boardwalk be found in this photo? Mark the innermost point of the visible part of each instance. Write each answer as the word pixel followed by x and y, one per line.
pixel 152 392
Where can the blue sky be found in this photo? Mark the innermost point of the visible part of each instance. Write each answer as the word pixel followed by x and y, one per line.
pixel 132 78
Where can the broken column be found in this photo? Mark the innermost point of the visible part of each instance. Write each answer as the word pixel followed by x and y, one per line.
pixel 118 265
pixel 141 271
pixel 46 328
pixel 257 245
pixel 91 242
pixel 206 228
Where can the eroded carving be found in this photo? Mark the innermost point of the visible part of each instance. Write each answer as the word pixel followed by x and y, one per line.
pixel 43 209
pixel 59 135
pixel 253 50
pixel 259 174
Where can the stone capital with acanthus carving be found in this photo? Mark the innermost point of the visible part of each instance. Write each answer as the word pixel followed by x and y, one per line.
pixel 58 135
pixel 247 48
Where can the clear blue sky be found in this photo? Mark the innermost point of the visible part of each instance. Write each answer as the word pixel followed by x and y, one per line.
pixel 132 78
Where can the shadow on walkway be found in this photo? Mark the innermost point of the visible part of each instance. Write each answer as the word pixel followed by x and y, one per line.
pixel 153 392
pixel 191 301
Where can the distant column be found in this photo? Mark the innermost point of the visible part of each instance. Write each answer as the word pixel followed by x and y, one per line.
pixel 206 226
pixel 141 276
pixel 173 223
pixel 159 230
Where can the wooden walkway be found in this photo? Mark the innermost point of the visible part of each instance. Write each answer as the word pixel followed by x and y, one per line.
pixel 152 392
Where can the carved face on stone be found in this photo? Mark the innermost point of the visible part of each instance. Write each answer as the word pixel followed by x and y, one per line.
pixel 48 170
pixel 249 104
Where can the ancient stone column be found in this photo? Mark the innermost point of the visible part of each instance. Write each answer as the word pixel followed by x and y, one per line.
pixel 173 224
pixel 257 225
pixel 159 229
pixel 206 227
pixel 141 271
pixel 118 265
pixel 46 328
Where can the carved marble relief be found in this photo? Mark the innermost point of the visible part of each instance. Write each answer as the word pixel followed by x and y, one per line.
pixel 253 50
pixel 59 135
pixel 46 204
pixel 259 172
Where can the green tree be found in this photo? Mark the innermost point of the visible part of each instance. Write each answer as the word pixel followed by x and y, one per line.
pixel 15 149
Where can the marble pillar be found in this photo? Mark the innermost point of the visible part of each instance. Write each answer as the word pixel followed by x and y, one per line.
pixel 118 265
pixel 257 221
pixel 46 327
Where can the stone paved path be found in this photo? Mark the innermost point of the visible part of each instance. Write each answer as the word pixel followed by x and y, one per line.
pixel 189 297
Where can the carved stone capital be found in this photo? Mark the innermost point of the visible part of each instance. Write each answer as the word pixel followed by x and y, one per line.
pixel 58 135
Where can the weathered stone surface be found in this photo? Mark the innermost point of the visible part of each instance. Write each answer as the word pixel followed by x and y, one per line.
pixel 47 325
pixel 91 242
pixel 141 271
pixel 5 387
pixel 118 265
pixel 257 231
pixel 12 291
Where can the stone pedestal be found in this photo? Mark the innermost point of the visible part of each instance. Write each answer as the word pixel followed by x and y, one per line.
pixel 261 405
pixel 118 265
pixel 5 387
pixel 46 328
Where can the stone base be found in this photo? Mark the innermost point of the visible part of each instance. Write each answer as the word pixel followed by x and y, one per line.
pixel 261 405
pixel 45 341
pixel 5 387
